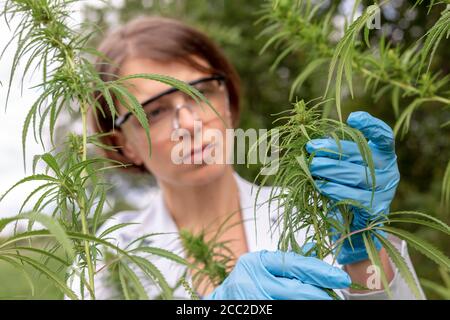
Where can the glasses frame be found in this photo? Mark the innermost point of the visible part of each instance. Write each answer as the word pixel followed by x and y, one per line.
pixel 118 123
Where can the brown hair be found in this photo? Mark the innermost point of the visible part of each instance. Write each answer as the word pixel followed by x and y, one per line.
pixel 160 39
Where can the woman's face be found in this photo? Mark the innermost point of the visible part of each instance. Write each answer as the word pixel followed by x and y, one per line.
pixel 198 145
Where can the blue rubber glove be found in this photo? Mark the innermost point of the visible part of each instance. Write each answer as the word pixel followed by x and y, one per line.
pixel 346 178
pixel 277 275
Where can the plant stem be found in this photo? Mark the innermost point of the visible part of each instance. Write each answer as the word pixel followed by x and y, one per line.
pixel 83 212
pixel 317 232
pixel 84 132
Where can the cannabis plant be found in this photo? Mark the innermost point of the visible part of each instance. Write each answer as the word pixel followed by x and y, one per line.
pixel 300 207
pixel 404 73
pixel 70 202
pixel 212 259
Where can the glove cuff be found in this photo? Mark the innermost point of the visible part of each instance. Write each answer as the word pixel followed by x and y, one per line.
pixel 357 253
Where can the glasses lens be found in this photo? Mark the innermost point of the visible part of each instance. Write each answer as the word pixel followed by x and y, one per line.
pixel 159 110
pixel 208 88
pixel 214 91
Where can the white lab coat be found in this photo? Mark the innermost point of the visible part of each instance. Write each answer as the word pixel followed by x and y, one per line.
pixel 155 218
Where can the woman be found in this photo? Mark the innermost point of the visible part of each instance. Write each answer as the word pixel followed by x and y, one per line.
pixel 195 195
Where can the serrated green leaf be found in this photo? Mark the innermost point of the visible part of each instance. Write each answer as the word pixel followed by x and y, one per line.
pixel 401 265
pixel 421 245
pixel 375 259
pixel 163 253
pixel 49 273
pixel 51 224
pixel 134 279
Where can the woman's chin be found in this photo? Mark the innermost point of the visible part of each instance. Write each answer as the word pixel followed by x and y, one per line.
pixel 200 174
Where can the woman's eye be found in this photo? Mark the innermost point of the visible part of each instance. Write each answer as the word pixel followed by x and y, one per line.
pixel 157 112
pixel 205 90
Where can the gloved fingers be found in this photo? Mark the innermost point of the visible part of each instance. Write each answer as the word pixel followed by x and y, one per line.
pixel 349 174
pixel 308 270
pixel 338 192
pixel 329 148
pixel 373 129
pixel 349 152
pixel 293 289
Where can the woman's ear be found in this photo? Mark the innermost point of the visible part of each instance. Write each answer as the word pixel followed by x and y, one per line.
pixel 125 146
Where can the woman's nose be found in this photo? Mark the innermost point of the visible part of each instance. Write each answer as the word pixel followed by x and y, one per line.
pixel 186 118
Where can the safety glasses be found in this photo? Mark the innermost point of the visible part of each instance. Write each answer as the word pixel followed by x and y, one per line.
pixel 162 109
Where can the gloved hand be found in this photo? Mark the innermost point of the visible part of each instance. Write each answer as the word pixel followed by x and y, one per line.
pixel 346 177
pixel 277 275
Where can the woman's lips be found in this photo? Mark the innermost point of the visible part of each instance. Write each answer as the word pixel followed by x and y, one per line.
pixel 198 150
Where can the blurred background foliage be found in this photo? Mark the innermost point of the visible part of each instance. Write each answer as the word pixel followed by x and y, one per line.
pixel 422 154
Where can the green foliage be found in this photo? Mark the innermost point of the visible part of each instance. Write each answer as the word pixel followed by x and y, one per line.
pixel 189 290
pixel 442 290
pixel 21 281
pixel 73 184
pixel 391 73
pixel 303 25
pixel 384 69
pixel 375 258
pixel 386 78
pixel 212 259
pixel 296 192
